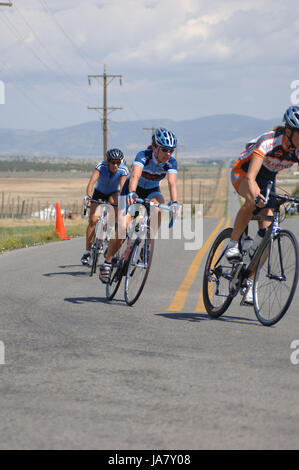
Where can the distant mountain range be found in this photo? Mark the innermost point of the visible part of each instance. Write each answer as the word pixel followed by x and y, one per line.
pixel 206 137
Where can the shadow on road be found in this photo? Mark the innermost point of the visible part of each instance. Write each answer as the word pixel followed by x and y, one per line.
pixel 82 300
pixel 68 273
pixel 197 317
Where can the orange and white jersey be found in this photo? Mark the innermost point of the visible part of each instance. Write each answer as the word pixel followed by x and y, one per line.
pixel 273 150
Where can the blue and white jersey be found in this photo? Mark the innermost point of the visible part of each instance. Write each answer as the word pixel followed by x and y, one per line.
pixel 107 182
pixel 153 172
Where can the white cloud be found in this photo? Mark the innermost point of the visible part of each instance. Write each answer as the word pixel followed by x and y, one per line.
pixel 159 46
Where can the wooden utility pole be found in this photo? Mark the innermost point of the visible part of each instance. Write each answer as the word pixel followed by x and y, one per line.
pixel 106 110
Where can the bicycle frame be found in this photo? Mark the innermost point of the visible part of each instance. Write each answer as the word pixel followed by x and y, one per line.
pixel 271 232
pixel 128 258
pixel 268 264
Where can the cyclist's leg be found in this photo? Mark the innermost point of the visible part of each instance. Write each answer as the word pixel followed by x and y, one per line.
pixel 94 214
pixel 156 215
pixel 116 241
pixel 245 212
pixel 243 216
pixel 112 214
pixel 123 220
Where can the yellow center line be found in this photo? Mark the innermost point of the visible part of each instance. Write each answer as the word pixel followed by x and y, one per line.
pixel 180 296
pixel 200 305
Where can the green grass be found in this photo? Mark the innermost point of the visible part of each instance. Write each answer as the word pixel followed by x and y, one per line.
pixel 12 238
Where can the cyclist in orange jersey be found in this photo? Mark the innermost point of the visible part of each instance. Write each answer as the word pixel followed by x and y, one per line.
pixel 263 158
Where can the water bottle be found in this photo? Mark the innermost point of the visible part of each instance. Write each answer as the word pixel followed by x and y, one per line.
pixel 256 242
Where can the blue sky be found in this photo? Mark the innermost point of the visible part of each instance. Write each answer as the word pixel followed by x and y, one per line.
pixel 180 59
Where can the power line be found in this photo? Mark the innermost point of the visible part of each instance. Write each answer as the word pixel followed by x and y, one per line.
pixel 29 98
pixel 81 54
pixel 22 39
pixel 70 79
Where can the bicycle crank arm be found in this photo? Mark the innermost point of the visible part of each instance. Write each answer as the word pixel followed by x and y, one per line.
pixel 235 283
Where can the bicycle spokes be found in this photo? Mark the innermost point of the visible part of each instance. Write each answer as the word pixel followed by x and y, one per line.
pixel 276 278
pixel 217 277
pixel 138 268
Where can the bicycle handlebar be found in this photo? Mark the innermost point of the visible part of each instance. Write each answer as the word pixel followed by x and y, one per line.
pixel 98 201
pixel 147 202
pixel 282 197
pixel 285 197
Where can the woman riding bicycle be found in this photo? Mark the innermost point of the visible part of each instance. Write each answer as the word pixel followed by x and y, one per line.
pixel 263 158
pixel 108 178
pixel 149 168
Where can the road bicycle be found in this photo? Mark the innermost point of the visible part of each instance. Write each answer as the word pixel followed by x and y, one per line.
pixel 102 234
pixel 275 264
pixel 134 258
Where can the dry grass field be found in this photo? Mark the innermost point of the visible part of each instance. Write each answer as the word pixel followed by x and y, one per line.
pixel 66 191
pixel 196 184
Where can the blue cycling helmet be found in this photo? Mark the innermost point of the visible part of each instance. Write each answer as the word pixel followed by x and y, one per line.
pixel 165 138
pixel 291 117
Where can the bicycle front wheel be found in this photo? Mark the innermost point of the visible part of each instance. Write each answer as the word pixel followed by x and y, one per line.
pixel 95 255
pixel 217 275
pixel 139 264
pixel 276 278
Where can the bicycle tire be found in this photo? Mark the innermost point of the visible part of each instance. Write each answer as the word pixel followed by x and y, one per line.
pixel 115 278
pixel 143 268
pixel 269 300
pixel 210 279
pixel 94 256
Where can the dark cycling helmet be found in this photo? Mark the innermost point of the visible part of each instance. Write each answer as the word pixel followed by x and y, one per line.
pixel 291 117
pixel 114 154
pixel 165 138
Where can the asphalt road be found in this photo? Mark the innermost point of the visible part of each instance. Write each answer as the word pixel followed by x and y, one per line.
pixel 81 373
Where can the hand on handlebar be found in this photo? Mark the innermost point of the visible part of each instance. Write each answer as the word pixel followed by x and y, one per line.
pixel 260 201
pixel 131 198
pixel 86 200
pixel 175 208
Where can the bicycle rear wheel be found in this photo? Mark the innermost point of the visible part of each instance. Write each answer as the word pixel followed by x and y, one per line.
pixel 139 264
pixel 115 277
pixel 216 279
pixel 276 278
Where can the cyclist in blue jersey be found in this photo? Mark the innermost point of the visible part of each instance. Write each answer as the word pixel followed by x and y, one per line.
pixel 105 183
pixel 149 168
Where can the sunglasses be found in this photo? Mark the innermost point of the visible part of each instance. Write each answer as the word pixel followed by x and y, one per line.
pixel 115 162
pixel 166 149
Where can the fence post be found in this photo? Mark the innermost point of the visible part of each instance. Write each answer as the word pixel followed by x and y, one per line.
pixel 184 176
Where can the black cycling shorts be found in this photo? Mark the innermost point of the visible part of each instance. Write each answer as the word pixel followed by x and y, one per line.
pixel 141 192
pixel 99 195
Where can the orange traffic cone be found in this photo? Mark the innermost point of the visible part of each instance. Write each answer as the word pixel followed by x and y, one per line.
pixel 60 228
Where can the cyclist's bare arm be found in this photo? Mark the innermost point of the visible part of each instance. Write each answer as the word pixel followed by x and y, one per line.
pixel 253 189
pixel 122 182
pixel 134 178
pixel 172 180
pixel 92 181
